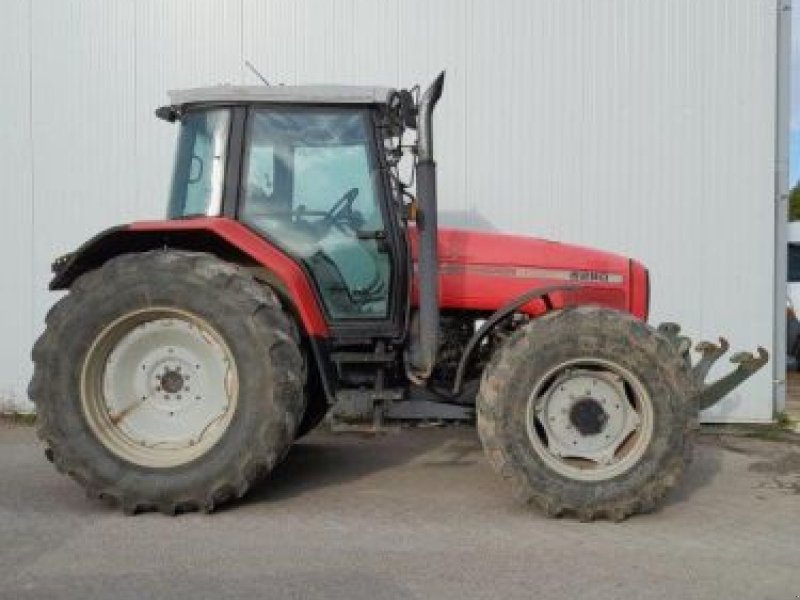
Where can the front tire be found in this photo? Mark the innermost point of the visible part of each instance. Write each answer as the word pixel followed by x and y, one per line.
pixel 167 380
pixel 587 412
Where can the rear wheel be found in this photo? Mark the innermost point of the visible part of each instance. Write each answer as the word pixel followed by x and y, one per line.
pixel 585 411
pixel 316 404
pixel 167 380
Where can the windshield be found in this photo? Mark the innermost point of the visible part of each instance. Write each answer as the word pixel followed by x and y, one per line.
pixel 199 164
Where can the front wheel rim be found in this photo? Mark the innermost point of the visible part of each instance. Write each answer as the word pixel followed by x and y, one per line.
pixel 590 419
pixel 159 387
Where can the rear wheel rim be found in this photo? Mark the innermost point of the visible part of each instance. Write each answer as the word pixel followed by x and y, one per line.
pixel 590 419
pixel 159 387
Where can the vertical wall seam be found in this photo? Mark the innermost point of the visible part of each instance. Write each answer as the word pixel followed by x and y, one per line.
pixel 468 201
pixel 398 53
pixel 241 42
pixel 136 175
pixel 32 224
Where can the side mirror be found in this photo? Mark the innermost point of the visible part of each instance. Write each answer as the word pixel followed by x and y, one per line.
pixel 408 109
pixel 167 113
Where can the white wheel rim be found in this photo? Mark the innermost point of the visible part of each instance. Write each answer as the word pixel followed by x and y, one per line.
pixel 159 387
pixel 590 419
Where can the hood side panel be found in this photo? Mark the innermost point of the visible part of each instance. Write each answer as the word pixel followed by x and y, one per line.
pixel 482 271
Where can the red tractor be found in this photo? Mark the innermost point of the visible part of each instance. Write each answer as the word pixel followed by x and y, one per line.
pixel 296 276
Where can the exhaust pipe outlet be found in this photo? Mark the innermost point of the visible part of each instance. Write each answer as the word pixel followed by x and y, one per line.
pixel 425 342
pixel 425 119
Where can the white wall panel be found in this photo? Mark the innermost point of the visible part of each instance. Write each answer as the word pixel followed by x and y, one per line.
pixel 177 45
pixel 16 288
pixel 83 133
pixel 640 126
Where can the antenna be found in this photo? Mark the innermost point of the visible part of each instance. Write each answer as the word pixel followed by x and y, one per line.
pixel 250 66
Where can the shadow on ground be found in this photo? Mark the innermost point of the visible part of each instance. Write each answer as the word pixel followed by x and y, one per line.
pixel 323 460
pixel 705 465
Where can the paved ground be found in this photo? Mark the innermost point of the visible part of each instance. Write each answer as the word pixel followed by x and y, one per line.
pixel 410 515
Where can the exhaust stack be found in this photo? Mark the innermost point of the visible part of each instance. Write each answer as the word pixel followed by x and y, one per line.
pixel 425 345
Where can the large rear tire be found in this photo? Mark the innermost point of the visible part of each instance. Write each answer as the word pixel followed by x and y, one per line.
pixel 316 404
pixel 587 412
pixel 167 380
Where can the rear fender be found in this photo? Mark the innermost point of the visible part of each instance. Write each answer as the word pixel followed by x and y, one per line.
pixel 222 237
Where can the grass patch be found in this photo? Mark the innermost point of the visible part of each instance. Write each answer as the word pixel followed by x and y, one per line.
pixel 771 433
pixel 782 430
pixel 782 419
pixel 17 418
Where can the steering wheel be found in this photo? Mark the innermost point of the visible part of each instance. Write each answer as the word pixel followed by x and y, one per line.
pixel 339 215
pixel 341 208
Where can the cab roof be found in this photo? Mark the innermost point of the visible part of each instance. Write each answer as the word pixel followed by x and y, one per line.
pixel 288 94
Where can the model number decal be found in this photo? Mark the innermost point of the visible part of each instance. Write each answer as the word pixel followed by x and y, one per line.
pixel 516 272
pixel 592 276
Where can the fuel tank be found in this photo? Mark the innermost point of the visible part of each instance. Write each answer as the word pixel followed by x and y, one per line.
pixel 483 271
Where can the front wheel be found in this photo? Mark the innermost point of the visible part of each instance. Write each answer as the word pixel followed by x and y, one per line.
pixel 587 411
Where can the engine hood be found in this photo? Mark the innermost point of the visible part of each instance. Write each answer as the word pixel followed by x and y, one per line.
pixel 579 263
pixel 482 271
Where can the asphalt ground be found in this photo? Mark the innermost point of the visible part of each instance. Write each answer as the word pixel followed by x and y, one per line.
pixel 415 514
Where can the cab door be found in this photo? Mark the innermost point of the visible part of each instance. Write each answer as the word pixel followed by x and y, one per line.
pixel 312 185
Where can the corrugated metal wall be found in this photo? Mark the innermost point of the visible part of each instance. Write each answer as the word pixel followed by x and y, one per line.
pixel 641 126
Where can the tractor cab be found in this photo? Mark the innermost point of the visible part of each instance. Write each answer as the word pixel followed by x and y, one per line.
pixel 313 170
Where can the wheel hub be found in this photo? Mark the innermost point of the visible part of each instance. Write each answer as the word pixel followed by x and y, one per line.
pixel 584 419
pixel 172 381
pixel 159 387
pixel 588 416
